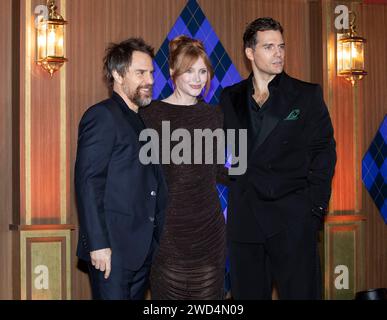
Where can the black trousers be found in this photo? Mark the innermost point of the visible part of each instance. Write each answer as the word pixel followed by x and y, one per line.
pixel 122 284
pixel 289 259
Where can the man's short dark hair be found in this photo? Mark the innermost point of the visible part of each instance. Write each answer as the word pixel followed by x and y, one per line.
pixel 119 57
pixel 260 24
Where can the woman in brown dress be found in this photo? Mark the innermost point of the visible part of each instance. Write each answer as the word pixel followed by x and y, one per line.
pixel 191 259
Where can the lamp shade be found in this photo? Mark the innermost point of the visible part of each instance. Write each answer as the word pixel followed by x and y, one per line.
pixel 50 40
pixel 350 57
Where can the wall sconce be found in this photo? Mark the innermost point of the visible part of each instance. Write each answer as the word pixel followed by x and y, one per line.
pixel 50 40
pixel 350 54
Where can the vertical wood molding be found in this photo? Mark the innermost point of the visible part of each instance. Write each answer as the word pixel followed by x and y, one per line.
pixel 43 129
pixel 356 150
pixel 328 60
pixel 343 106
pixel 63 133
pixel 27 112
pixel 343 239
pixel 8 162
pixel 357 129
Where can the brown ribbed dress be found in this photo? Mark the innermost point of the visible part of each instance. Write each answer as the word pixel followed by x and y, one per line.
pixel 191 258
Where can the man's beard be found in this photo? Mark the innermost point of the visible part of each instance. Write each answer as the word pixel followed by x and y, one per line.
pixel 139 98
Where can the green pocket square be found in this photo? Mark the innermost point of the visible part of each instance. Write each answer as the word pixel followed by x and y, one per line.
pixel 294 115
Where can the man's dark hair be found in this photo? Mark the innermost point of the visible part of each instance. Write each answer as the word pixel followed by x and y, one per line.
pixel 119 57
pixel 260 24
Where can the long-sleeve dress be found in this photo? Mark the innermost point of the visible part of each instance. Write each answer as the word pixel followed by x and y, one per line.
pixel 191 259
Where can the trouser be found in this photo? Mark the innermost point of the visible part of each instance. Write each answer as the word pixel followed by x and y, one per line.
pixel 289 259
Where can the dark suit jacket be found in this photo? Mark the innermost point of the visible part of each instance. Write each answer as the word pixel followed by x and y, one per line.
pixel 290 163
pixel 121 202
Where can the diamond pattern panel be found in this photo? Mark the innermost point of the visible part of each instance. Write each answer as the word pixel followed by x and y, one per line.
pixel 374 169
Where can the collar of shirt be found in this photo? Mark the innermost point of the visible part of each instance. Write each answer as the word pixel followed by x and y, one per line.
pixel 273 85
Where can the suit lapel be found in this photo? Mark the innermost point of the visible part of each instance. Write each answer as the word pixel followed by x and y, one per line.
pixel 120 103
pixel 156 168
pixel 240 103
pixel 278 110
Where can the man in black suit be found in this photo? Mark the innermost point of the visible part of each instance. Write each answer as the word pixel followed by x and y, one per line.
pixel 277 207
pixel 121 202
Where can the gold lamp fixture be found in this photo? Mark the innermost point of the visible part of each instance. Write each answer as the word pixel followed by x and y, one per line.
pixel 50 40
pixel 350 53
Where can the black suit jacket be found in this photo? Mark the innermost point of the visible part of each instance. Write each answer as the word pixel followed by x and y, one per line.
pixel 121 202
pixel 290 163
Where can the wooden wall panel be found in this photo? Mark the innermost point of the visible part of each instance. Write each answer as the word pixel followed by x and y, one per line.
pixel 45 186
pixel 338 95
pixel 229 19
pixel 5 148
pixel 356 113
pixel 38 166
pixel 372 26
pixel 316 42
pixel 342 113
pixel 42 169
pixel 44 140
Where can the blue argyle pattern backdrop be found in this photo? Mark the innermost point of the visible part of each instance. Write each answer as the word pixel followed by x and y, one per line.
pixel 374 169
pixel 193 23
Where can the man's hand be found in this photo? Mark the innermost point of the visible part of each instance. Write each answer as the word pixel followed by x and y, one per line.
pixel 101 260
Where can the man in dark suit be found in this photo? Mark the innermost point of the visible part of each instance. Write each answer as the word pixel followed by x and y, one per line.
pixel 121 202
pixel 277 207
